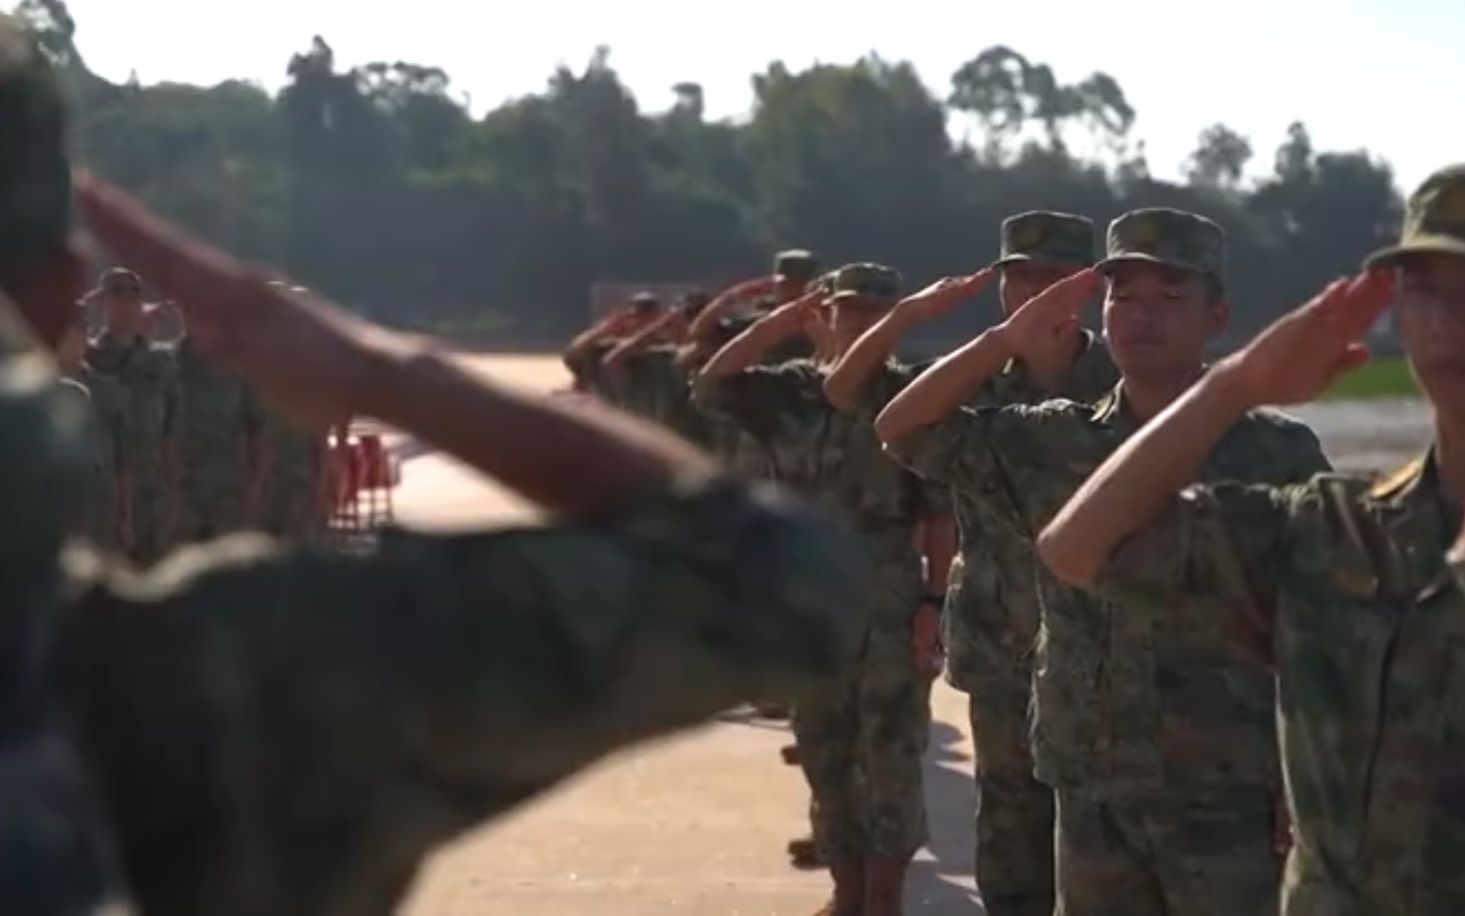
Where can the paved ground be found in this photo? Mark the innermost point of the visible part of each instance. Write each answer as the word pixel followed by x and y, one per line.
pixel 698 824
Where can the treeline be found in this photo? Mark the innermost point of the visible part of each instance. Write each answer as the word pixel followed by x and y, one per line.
pixel 378 186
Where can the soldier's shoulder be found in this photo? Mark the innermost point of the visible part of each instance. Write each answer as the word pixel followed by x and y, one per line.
pixel 1279 422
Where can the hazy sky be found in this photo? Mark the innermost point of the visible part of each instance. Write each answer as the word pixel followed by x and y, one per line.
pixel 1386 75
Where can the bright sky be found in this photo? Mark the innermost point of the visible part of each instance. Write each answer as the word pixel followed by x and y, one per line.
pixel 1386 76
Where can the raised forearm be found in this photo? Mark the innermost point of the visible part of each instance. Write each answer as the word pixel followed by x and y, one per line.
pixel 1139 479
pixel 640 340
pixel 532 445
pixel 947 385
pixel 746 349
pixel 852 373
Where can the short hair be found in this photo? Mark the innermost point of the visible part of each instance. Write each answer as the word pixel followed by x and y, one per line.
pixel 35 177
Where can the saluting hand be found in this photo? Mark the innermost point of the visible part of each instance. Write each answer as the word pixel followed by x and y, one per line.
pixel 941 297
pixel 1304 352
pixel 1037 323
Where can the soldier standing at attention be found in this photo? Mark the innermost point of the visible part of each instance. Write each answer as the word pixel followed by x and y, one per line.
pixel 272 730
pixel 1343 583
pixel 645 365
pixel 1156 734
pixel 992 609
pixel 216 432
pixel 130 375
pixel 862 738
pixel 584 356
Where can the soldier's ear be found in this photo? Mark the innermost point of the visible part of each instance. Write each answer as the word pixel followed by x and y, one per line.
pixel 1220 315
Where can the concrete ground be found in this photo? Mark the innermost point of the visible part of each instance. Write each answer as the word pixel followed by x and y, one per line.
pixel 698 824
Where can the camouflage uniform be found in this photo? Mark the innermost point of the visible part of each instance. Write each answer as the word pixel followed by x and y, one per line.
pixel 991 614
pixel 290 463
pixel 288 732
pixel 1155 731
pixel 861 740
pixel 1344 583
pixel 131 383
pixel 660 388
pixel 215 430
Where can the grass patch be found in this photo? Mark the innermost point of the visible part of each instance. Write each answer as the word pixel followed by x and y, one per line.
pixel 1380 377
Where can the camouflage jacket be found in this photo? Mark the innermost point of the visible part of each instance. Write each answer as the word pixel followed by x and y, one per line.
pixel 290 732
pixel 1345 582
pixel 658 388
pixel 216 428
pixel 1127 699
pixel 991 613
pixel 589 372
pixel 132 387
pixel 834 459
pixel 55 857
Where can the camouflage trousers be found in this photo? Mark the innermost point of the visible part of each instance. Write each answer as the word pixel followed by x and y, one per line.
pixel 1014 855
pixel 861 740
pixel 1194 854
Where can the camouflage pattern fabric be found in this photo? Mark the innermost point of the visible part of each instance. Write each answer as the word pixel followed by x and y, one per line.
pixel 991 624
pixel 661 389
pixel 1042 235
pixel 214 433
pixel 55 851
pixel 1345 581
pixel 1130 702
pixel 1197 854
pixel 877 717
pixel 589 372
pixel 1173 238
pixel 291 469
pixel 292 732
pixel 132 387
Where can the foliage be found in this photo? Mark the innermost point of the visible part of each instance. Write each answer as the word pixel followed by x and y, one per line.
pixel 377 185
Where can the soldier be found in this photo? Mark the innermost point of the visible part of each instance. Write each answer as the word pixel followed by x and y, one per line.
pixel 861 739
pixel 131 374
pixel 585 354
pixel 216 435
pixel 1156 735
pixel 991 611
pixel 285 731
pixel 654 379
pixel 1343 583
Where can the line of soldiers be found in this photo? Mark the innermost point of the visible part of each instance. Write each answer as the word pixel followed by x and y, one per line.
pixel 186 450
pixel 1169 698
pixel 1198 621
pixel 253 727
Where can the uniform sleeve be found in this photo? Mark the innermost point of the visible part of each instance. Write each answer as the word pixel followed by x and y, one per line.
pixel 755 398
pixel 975 445
pixel 458 674
pixel 1229 540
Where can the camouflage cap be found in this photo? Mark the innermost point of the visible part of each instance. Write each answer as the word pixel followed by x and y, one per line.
pixel 866 281
pixel 694 302
pixel 645 302
pixel 795 265
pixel 1042 235
pixel 1434 219
pixel 1173 238
pixel 35 177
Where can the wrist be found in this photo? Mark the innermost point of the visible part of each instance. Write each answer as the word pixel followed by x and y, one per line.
pixel 1003 340
pixel 1227 388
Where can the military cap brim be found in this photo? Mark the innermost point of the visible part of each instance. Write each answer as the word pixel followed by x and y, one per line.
pixel 1139 257
pixel 1040 258
pixel 1431 243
